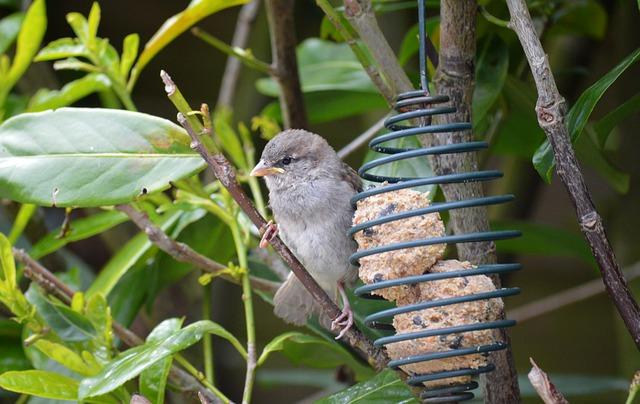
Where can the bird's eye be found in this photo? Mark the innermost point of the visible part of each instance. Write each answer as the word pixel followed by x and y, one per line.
pixel 286 161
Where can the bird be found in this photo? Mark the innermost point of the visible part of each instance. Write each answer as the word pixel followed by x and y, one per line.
pixel 310 189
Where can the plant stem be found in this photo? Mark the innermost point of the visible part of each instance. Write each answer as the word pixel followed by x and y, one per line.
pixel 200 377
pixel 207 346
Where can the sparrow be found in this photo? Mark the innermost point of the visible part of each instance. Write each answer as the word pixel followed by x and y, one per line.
pixel 309 194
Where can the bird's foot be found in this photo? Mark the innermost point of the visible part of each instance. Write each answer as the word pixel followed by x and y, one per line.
pixel 269 231
pixel 345 320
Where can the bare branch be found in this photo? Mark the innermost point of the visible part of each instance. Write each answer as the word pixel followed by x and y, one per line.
pixel 551 111
pixel 53 286
pixel 566 297
pixel 543 385
pixel 246 17
pixel 285 65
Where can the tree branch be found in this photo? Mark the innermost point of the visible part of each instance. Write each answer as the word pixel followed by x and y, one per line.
pixel 53 286
pixel 551 110
pixel 183 253
pixel 284 62
pixel 246 17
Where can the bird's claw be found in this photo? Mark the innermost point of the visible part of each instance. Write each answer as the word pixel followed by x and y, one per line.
pixel 343 322
pixel 269 231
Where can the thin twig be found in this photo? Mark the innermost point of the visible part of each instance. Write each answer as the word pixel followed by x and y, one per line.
pixel 183 253
pixel 227 177
pixel 53 286
pixel 246 17
pixel 284 63
pixel 544 387
pixel 361 139
pixel 551 112
pixel 566 297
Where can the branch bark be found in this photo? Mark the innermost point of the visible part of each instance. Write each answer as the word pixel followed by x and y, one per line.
pixel 53 286
pixel 284 62
pixel 246 17
pixel 551 110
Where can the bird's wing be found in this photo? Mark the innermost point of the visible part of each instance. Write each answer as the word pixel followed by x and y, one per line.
pixel 351 176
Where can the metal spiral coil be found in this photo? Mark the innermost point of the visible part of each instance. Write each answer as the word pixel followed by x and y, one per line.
pixel 420 106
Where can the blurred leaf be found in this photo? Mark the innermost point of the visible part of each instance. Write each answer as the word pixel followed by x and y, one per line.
pixel 99 313
pixel 491 72
pixel 519 133
pixel 411 168
pixel 91 157
pixel 40 383
pixel 410 44
pixel 129 53
pixel 176 25
pixel 229 139
pixel 302 349
pixel 71 92
pixel 12 355
pixel 79 229
pixel 592 156
pixel 7 263
pixel 20 222
pixel 60 49
pixel 9 28
pixel 29 38
pixel 298 377
pixel 79 25
pixel 93 22
pixel 128 255
pixel 578 385
pixel 65 357
pixel 132 362
pixel 66 323
pixel 153 380
pixel 535 241
pixel 584 17
pixel 384 388
pixel 605 125
pixel 579 114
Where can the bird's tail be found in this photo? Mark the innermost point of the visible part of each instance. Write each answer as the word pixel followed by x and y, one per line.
pixel 293 303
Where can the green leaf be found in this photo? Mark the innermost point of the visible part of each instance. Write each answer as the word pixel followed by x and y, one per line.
pixel 12 355
pixel 535 241
pixel 79 25
pixel 302 349
pixel 80 229
pixel 591 155
pixel 60 49
pixel 66 323
pixel 9 28
pixel 410 44
pixel 384 388
pixel 129 53
pixel 605 125
pixel 229 139
pixel 71 92
pixel 579 114
pixel 176 25
pixel 491 73
pixel 65 357
pixel 91 157
pixel 93 22
pixel 128 255
pixel 132 362
pixel 40 383
pixel 153 380
pixel 584 18
pixel 7 263
pixel 98 312
pixel 22 219
pixel 29 38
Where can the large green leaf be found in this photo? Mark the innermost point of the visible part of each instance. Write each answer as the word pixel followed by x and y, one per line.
pixel 90 157
pixel 302 349
pixel 579 114
pixel 130 363
pixel 491 73
pixel 66 357
pixel 385 387
pixel 9 28
pixel 67 324
pixel 153 380
pixel 79 229
pixel 70 93
pixel 40 383
pixel 176 25
pixel 126 257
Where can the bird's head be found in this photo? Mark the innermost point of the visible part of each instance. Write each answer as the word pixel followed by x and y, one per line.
pixel 294 156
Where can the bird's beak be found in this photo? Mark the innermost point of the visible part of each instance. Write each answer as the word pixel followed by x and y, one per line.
pixel 261 169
